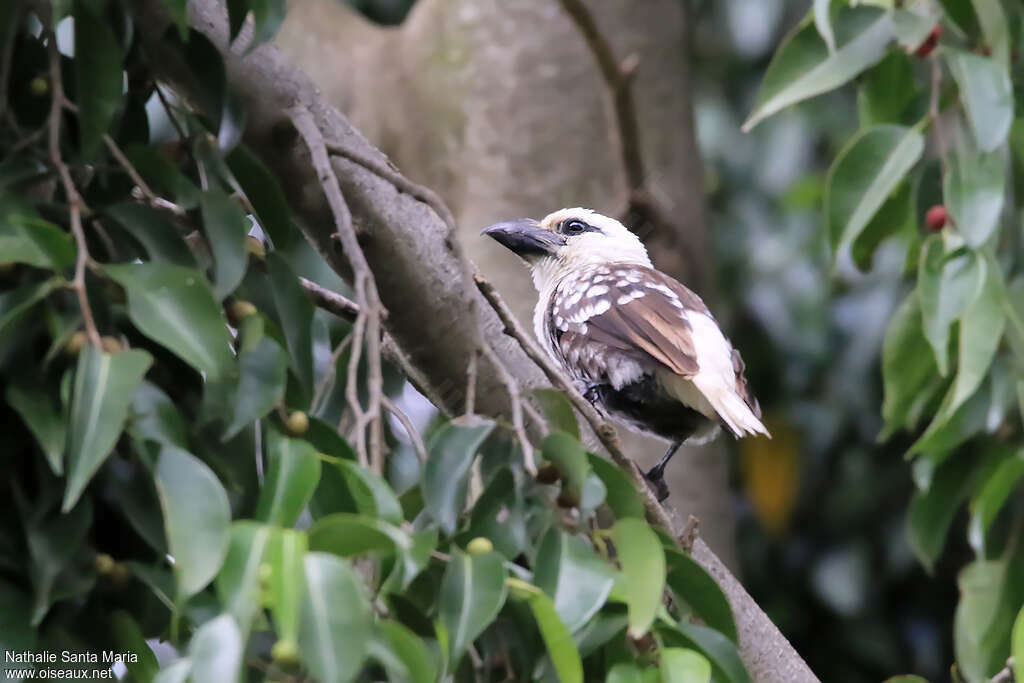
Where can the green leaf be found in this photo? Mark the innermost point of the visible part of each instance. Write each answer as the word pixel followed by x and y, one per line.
pixel 293 471
pixel 174 306
pixel 53 545
pixel 557 411
pixel 179 13
pixel 643 566
pixel 285 556
pixel 569 456
pixel 446 473
pixel 721 652
pixel 573 575
pixel 974 189
pixel 946 432
pixel 987 93
pixel 154 230
pixel 629 672
pixel 621 496
pixel 896 215
pixel 803 67
pixel 348 487
pixel 348 535
pixel 947 287
pixel 99 77
pixel 472 593
pixel 129 638
pixel 175 672
pixel 679 665
pixel 238 583
pixel 1017 646
pixel 155 417
pixel 983 620
pixel 694 587
pixel 216 651
pixel 16 303
pixel 556 636
pixel 911 28
pixel 987 503
pixel 44 420
pixel 823 22
pixel 226 228
pixel 27 238
pixel 264 194
pixel 500 515
pixel 931 512
pixel 162 175
pixel 295 311
pixel 887 90
pixel 104 386
pixel 197 518
pixel 336 620
pixel 402 653
pixel 263 376
pixel 863 176
pixel 995 28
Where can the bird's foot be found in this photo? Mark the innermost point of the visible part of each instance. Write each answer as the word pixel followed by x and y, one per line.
pixel 592 392
pixel 656 480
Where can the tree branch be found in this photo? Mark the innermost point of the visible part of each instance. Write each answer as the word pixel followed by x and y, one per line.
pixel 419 269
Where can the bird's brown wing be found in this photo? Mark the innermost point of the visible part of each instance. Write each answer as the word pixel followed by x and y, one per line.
pixel 644 311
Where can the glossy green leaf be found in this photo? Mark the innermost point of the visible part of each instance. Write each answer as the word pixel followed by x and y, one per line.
pixel 823 22
pixel 887 90
pixel 863 176
pixel 987 94
pixel 558 411
pixel 995 28
pixel 26 238
pixel 155 231
pixel 197 518
pixel 629 672
pixel 264 194
pixel 295 311
pixel 53 544
pixel 947 287
pixel 285 555
pixel 43 418
pixel 992 496
pixel 346 486
pixel 499 514
pixel 974 188
pixel 803 67
pixel 895 216
pixel 336 621
pixel 946 432
pixel 226 228
pixel 1017 646
pixel 402 653
pixel 16 303
pixel 694 587
pixel 911 29
pixel 565 658
pixel 680 665
pixel 155 417
pixel 931 512
pixel 472 592
pixel 104 386
pixel 129 638
pixel 621 496
pixel 983 620
pixel 452 449
pixel 721 652
pixel 293 470
pixel 238 582
pixel 569 456
pixel 643 566
pixel 99 77
pixel 174 306
pixel 575 577
pixel 263 376
pixel 216 651
pixel 348 535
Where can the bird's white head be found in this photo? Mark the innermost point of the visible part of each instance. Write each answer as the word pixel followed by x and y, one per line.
pixel 566 240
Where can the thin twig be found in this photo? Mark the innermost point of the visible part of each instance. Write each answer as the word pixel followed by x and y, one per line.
pixel 367 328
pixel 471 367
pixel 170 115
pixel 331 301
pixel 605 432
pixel 935 115
pixel 414 436
pixel 514 397
pixel 144 188
pixel 327 381
pixel 75 203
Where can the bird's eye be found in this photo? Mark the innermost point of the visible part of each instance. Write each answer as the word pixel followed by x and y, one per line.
pixel 574 226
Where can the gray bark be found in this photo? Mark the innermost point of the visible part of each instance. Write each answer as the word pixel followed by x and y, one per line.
pixel 499 106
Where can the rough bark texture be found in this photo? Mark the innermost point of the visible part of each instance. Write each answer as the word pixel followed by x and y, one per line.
pixel 419 267
pixel 499 106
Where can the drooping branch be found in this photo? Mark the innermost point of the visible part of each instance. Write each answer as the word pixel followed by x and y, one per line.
pixel 417 265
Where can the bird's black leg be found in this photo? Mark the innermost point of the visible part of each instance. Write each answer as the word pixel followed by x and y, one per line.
pixel 656 475
pixel 592 392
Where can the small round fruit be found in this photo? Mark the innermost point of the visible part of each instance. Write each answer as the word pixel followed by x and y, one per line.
pixel 479 546
pixel 936 218
pixel 104 564
pixel 285 652
pixel 110 344
pixel 254 245
pixel 298 423
pixel 38 86
pixel 239 310
pixel 119 573
pixel 568 499
pixel 547 473
pixel 76 343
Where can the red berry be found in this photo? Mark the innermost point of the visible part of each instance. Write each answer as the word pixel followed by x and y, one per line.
pixel 926 47
pixel 936 218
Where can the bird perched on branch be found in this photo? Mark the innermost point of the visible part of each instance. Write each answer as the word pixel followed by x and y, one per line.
pixel 645 349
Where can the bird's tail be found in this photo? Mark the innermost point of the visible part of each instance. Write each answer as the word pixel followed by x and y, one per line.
pixel 735 413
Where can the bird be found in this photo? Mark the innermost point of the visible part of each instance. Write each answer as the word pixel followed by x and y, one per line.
pixel 642 347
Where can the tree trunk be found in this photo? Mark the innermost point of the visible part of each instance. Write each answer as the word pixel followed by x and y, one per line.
pixel 500 107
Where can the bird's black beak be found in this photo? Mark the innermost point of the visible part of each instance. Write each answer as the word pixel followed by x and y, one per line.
pixel 525 237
